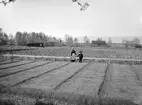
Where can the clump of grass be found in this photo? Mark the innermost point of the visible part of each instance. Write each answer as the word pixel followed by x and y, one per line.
pixel 6 102
pixel 9 99
pixel 116 101
pixel 44 102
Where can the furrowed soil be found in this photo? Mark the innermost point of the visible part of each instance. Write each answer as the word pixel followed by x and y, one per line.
pixel 10 65
pixel 21 77
pixel 55 79
pixel 14 70
pixel 91 79
pixel 8 61
pixel 121 81
pixel 138 71
pixel 88 82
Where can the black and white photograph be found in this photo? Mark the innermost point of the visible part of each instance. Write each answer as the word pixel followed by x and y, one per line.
pixel 70 52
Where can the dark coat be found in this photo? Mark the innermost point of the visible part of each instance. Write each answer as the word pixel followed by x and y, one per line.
pixel 73 51
pixel 80 57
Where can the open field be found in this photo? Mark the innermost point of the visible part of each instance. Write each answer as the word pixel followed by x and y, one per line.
pixel 87 51
pixel 99 80
pixel 47 74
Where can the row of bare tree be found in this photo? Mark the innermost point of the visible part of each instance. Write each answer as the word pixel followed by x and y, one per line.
pixel 131 43
pixel 70 41
pixel 24 38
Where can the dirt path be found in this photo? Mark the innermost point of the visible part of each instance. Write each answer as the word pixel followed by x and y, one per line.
pixel 55 79
pixel 18 69
pixel 87 82
pixel 22 77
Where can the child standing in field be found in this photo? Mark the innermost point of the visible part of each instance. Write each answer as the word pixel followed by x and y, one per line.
pixel 73 57
pixel 80 55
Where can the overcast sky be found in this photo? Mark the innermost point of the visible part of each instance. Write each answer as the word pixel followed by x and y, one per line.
pixel 103 18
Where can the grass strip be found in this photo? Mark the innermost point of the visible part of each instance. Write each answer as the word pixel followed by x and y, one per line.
pixel 61 83
pixel 17 65
pixel 25 69
pixel 39 75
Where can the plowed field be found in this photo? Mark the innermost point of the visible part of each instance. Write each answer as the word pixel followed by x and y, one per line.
pixel 92 79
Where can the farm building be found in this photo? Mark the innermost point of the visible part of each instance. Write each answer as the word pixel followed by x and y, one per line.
pixel 98 43
pixel 138 46
pixel 52 43
pixel 46 44
pixel 35 44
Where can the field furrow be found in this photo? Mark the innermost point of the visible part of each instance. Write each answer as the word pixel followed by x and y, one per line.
pixel 22 77
pixel 2 60
pixel 88 82
pixel 138 71
pixel 122 83
pixel 15 64
pixel 54 79
pixel 8 62
pixel 14 70
pixel 70 77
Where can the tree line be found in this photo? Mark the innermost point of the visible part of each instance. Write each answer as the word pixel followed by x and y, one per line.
pixel 24 38
pixel 70 41
pixel 3 37
pixel 131 43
